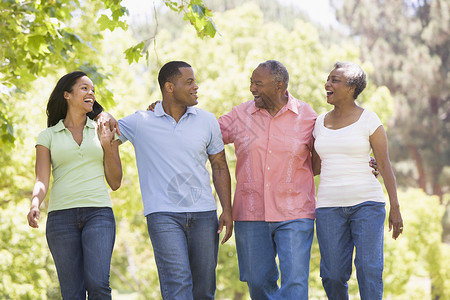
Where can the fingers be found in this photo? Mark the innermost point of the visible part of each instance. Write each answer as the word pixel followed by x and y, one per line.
pixel 229 229
pixel 219 231
pixel 33 217
pixel 396 228
pixel 228 234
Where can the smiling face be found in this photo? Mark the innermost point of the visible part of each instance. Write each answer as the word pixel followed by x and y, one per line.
pixel 185 88
pixel 82 96
pixel 337 88
pixel 263 88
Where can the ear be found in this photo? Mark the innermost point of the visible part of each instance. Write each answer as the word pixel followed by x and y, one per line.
pixel 66 95
pixel 279 86
pixel 169 87
pixel 351 90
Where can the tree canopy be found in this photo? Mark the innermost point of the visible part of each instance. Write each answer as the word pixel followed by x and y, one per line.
pixel 408 43
pixel 40 37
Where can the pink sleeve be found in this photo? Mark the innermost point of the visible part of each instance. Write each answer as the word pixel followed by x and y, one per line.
pixel 226 127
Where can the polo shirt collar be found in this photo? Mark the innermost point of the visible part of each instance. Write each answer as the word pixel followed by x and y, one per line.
pixel 159 110
pixel 60 125
pixel 291 105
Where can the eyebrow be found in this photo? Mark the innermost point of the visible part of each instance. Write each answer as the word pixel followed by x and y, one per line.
pixel 86 84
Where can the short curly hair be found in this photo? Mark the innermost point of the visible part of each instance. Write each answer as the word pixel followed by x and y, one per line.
pixel 277 70
pixel 355 76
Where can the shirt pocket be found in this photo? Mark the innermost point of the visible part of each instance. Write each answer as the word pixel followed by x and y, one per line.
pixel 251 194
pixel 288 197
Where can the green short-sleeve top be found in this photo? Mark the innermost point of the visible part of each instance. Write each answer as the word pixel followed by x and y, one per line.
pixel 78 172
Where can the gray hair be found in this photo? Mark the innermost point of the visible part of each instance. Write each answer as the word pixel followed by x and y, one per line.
pixel 355 76
pixel 277 70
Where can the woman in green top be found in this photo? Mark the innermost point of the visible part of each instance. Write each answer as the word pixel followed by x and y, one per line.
pixel 80 225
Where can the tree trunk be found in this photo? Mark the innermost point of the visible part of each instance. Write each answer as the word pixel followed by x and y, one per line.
pixel 421 180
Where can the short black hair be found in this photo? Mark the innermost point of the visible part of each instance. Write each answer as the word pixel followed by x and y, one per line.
pixel 170 71
pixel 57 104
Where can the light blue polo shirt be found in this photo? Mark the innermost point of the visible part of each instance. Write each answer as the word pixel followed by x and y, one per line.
pixel 171 158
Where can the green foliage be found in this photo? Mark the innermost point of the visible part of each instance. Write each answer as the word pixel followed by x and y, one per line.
pixel 407 42
pixel 223 66
pixel 193 11
pixel 25 265
pixel 41 37
pixel 134 53
pixel 418 253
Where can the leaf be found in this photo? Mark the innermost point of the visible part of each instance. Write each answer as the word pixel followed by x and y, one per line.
pixel 134 53
pixel 210 29
pixel 105 23
pixel 199 10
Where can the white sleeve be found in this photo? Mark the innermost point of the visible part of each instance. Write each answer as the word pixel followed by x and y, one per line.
pixel 373 122
pixel 317 126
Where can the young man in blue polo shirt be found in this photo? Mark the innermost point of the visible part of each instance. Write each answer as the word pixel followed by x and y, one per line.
pixel 172 145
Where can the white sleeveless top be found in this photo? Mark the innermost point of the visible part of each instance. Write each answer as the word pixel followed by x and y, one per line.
pixel 346 178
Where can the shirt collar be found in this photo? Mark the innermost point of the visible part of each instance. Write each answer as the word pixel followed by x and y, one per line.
pixel 159 110
pixel 291 105
pixel 60 125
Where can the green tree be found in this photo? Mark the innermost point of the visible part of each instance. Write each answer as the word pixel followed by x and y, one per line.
pixel 40 37
pixel 408 43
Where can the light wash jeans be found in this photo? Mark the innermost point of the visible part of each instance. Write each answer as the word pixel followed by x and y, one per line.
pixel 339 230
pixel 258 243
pixel 81 241
pixel 186 247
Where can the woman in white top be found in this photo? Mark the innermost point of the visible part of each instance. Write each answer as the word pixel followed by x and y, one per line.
pixel 350 209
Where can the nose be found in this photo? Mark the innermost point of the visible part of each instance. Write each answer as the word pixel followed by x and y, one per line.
pixel 195 86
pixel 252 88
pixel 327 83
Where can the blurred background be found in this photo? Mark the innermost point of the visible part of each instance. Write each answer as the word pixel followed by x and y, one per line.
pixel 402 45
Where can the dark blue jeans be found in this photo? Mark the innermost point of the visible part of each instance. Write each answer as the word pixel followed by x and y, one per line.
pixel 81 241
pixel 186 247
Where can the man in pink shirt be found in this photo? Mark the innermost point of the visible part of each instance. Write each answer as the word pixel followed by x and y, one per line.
pixel 274 202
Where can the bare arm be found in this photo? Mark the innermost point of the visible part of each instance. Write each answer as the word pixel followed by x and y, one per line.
pixel 378 142
pixel 111 158
pixel 222 183
pixel 42 170
pixel 316 162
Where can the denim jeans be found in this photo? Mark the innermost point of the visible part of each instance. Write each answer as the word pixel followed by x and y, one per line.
pixel 186 247
pixel 81 241
pixel 339 230
pixel 257 245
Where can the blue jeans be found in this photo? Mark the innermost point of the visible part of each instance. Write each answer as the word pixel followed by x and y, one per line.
pixel 81 241
pixel 186 247
pixel 257 245
pixel 339 230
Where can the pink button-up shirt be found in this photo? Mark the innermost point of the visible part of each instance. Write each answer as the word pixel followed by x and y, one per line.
pixel 273 170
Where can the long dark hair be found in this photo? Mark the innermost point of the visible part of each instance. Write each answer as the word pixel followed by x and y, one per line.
pixel 57 104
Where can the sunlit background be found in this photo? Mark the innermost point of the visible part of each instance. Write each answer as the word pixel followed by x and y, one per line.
pixel 402 45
